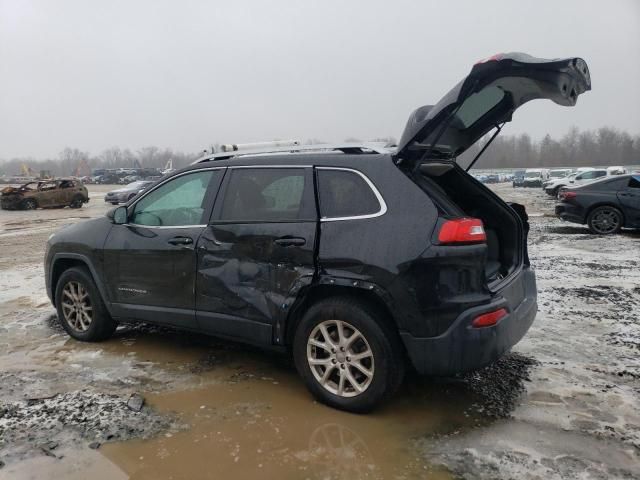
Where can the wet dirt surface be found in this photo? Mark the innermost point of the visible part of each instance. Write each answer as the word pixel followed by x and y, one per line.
pixel 564 404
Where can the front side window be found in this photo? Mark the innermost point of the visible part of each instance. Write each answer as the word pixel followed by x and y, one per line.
pixel 634 181
pixel 179 202
pixel 344 193
pixel 266 195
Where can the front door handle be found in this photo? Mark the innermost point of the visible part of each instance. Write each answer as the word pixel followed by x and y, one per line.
pixel 181 241
pixel 290 241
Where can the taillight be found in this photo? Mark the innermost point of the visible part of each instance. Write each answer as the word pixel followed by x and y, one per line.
pixel 462 230
pixel 489 319
pixel 567 195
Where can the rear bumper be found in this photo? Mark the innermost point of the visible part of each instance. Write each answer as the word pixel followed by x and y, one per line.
pixel 570 213
pixel 463 348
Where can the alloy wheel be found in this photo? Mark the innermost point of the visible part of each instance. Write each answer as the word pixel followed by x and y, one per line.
pixel 76 306
pixel 340 358
pixel 605 221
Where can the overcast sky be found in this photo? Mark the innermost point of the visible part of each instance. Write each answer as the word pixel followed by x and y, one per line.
pixel 185 74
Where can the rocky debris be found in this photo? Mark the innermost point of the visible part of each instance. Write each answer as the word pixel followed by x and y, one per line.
pixel 95 445
pixel 499 386
pixel 135 402
pixel 87 415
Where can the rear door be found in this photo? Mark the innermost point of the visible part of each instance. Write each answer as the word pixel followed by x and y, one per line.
pixel 629 197
pixel 256 251
pixel 150 262
pixel 486 98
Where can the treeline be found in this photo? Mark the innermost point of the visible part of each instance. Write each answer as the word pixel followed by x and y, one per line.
pixel 602 147
pixel 72 161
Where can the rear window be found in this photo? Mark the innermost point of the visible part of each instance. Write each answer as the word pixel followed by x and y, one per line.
pixel 477 105
pixel 344 193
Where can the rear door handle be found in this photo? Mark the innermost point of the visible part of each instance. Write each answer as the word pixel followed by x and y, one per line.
pixel 181 241
pixel 290 241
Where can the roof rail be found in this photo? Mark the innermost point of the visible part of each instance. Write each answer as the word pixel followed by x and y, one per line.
pixel 353 148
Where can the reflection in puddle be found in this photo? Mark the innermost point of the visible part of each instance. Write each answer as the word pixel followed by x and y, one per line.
pixel 269 427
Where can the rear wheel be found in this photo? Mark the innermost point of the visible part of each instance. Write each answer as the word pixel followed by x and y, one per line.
pixel 76 202
pixel 605 220
pixel 29 204
pixel 81 310
pixel 347 355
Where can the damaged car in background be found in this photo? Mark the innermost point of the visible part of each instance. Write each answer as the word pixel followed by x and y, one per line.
pixel 297 250
pixel 605 206
pixel 56 193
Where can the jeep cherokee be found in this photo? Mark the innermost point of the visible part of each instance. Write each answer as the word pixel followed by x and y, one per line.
pixel 355 260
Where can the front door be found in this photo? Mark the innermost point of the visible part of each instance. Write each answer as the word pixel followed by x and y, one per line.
pixel 150 262
pixel 258 247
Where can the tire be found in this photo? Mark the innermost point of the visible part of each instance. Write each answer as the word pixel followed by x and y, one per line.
pixel 605 220
pixel 74 282
pixel 76 202
pixel 29 204
pixel 385 361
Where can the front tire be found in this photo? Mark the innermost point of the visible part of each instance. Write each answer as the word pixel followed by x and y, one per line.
pixel 76 202
pixel 605 220
pixel 81 310
pixel 348 357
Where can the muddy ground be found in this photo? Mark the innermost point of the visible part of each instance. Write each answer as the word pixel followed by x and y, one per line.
pixel 564 404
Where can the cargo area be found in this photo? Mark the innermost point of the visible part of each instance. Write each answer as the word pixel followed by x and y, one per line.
pixel 457 194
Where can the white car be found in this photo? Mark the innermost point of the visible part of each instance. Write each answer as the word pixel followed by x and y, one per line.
pixel 578 178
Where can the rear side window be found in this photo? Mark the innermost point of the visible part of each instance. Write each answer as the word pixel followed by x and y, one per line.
pixel 267 195
pixel 345 193
pixel 634 182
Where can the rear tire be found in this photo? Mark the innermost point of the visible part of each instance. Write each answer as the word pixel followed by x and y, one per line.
pixel 352 374
pixel 81 310
pixel 605 220
pixel 29 204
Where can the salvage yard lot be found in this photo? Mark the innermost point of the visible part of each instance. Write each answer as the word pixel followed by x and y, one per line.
pixel 564 404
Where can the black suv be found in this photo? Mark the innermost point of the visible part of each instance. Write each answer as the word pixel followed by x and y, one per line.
pixel 352 259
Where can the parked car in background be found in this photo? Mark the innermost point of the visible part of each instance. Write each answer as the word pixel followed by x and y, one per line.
pixel 617 170
pixel 126 193
pixel 54 193
pixel 605 206
pixel 518 178
pixel 554 187
pixel 534 177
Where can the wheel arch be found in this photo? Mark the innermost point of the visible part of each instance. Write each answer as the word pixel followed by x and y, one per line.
pixel 364 292
pixel 63 262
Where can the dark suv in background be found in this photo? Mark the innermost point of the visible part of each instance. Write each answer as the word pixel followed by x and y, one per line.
pixel 353 259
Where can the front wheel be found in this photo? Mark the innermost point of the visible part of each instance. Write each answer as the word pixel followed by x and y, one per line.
pixel 81 310
pixel 76 202
pixel 605 220
pixel 348 357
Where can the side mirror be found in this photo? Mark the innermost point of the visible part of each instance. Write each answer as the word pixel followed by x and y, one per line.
pixel 118 215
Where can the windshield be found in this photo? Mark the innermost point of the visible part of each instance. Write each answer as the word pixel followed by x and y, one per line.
pixel 532 174
pixel 559 174
pixel 136 184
